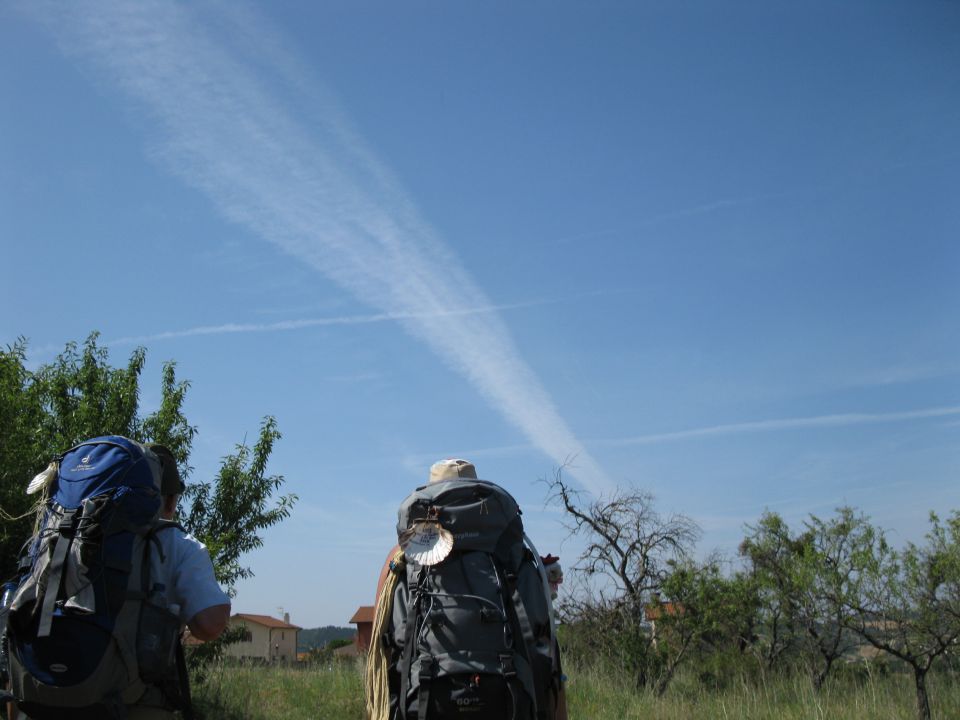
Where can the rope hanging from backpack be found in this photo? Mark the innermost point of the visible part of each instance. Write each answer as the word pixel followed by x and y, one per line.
pixel 376 685
pixel 40 483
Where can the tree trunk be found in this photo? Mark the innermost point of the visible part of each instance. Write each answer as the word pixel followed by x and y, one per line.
pixel 669 671
pixel 820 676
pixel 665 681
pixel 640 679
pixel 923 700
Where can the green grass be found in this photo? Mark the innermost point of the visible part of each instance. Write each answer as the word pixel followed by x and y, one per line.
pixel 317 692
pixel 335 692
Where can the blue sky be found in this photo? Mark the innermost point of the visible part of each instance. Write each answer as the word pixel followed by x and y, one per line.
pixel 708 249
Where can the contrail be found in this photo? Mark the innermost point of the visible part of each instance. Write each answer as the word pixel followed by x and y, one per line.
pixel 300 324
pixel 224 123
pixel 837 420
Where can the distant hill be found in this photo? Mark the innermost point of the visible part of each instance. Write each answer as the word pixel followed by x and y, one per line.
pixel 318 637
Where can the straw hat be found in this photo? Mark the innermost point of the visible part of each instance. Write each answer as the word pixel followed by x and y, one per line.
pixel 451 469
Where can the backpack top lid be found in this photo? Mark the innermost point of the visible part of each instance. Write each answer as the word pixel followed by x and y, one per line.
pixel 106 465
pixel 475 512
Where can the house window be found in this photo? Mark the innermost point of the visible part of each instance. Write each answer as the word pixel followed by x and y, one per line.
pixel 281 635
pixel 247 636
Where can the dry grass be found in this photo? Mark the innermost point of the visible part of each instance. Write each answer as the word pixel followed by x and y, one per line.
pixel 596 695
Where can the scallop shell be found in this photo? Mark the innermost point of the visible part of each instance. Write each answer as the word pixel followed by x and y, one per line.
pixel 426 542
pixel 41 480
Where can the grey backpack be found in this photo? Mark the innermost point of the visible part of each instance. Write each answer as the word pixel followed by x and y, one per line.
pixel 471 636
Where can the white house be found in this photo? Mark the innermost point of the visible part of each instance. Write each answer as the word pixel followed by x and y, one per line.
pixel 265 638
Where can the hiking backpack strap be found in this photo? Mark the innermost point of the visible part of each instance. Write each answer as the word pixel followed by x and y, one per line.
pixel 184 703
pixel 509 671
pixel 520 621
pixel 65 531
pixel 427 667
pixel 409 646
pixel 187 710
pixel 150 538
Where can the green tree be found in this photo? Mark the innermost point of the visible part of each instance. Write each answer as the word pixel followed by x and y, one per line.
pixel 77 396
pixel 80 395
pixel 910 604
pixel 230 514
pixel 807 582
pixel 704 611
pixel 829 578
pixel 771 555
pixel 20 454
pixel 326 653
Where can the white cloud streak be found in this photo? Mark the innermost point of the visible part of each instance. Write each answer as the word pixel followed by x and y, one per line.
pixel 820 421
pixel 301 324
pixel 225 98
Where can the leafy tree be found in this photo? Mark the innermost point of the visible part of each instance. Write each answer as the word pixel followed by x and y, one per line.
pixel 77 396
pixel 771 554
pixel 829 580
pixel 910 605
pixel 703 609
pixel 80 395
pixel 230 514
pixel 611 632
pixel 326 653
pixel 20 412
pixel 807 582
pixel 735 627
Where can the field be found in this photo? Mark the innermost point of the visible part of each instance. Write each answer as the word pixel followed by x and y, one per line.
pixel 334 692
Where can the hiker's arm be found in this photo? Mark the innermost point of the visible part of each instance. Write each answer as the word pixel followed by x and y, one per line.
pixel 210 622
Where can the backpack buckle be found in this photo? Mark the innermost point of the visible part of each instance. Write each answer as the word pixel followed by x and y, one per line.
pixel 66 524
pixel 508 669
pixel 427 667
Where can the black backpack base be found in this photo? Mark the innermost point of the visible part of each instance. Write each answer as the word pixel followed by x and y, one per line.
pixel 470 696
pixel 100 711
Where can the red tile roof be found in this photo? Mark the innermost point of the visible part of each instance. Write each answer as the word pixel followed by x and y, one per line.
pixel 655 612
pixel 265 620
pixel 364 614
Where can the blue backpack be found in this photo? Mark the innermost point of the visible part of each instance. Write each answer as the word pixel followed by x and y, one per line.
pixel 87 630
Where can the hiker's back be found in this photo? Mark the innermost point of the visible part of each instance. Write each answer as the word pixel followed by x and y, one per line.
pixel 471 632
pixel 89 630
